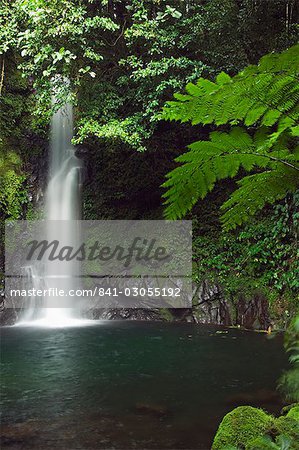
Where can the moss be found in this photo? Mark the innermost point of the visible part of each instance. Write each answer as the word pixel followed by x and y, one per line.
pixel 282 442
pixel 287 426
pixel 294 413
pixel 261 443
pixel 241 426
pixel 13 194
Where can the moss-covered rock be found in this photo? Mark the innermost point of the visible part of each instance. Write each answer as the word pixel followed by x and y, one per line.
pixel 262 443
pixel 281 433
pixel 287 408
pixel 288 427
pixel 281 442
pixel 294 413
pixel 240 426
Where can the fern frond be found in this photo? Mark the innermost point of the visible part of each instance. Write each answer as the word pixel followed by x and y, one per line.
pixel 255 192
pixel 209 161
pixel 259 94
pixel 263 96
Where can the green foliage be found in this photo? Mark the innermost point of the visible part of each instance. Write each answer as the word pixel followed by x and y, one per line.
pixel 289 382
pixel 263 96
pixel 117 132
pixel 13 194
pixel 8 161
pixel 19 146
pixel 293 413
pixel 260 94
pixel 130 56
pixel 59 33
pixel 287 426
pixel 241 426
pixel 261 257
pixel 8 26
pixel 282 442
pixel 252 429
pixel 282 435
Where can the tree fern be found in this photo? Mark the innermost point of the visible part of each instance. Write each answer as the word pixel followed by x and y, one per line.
pixel 263 92
pixel 263 97
pixel 257 190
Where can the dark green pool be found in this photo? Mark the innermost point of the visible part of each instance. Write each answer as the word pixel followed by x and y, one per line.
pixel 128 385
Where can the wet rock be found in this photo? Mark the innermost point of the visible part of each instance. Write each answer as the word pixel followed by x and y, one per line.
pixel 183 315
pixel 8 316
pixel 127 314
pixel 210 304
pixel 253 313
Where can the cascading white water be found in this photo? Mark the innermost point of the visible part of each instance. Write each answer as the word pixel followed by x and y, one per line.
pixel 62 211
pixel 62 204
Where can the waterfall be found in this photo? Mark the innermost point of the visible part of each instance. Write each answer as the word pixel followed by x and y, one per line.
pixel 62 204
pixel 62 212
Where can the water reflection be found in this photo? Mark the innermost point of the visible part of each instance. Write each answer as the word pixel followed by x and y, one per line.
pixel 176 380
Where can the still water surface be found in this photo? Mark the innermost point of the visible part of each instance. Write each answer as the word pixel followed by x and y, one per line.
pixel 128 385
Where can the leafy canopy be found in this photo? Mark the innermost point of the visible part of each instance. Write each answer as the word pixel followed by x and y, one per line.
pixel 264 99
pixel 125 58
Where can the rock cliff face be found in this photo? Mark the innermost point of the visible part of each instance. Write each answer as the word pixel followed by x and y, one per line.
pixel 254 313
pixel 129 314
pixel 8 316
pixel 209 307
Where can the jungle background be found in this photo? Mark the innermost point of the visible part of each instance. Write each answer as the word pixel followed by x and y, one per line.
pixel 124 60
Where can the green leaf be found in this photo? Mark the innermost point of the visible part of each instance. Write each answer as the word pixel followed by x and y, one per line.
pixel 223 78
pixel 265 95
